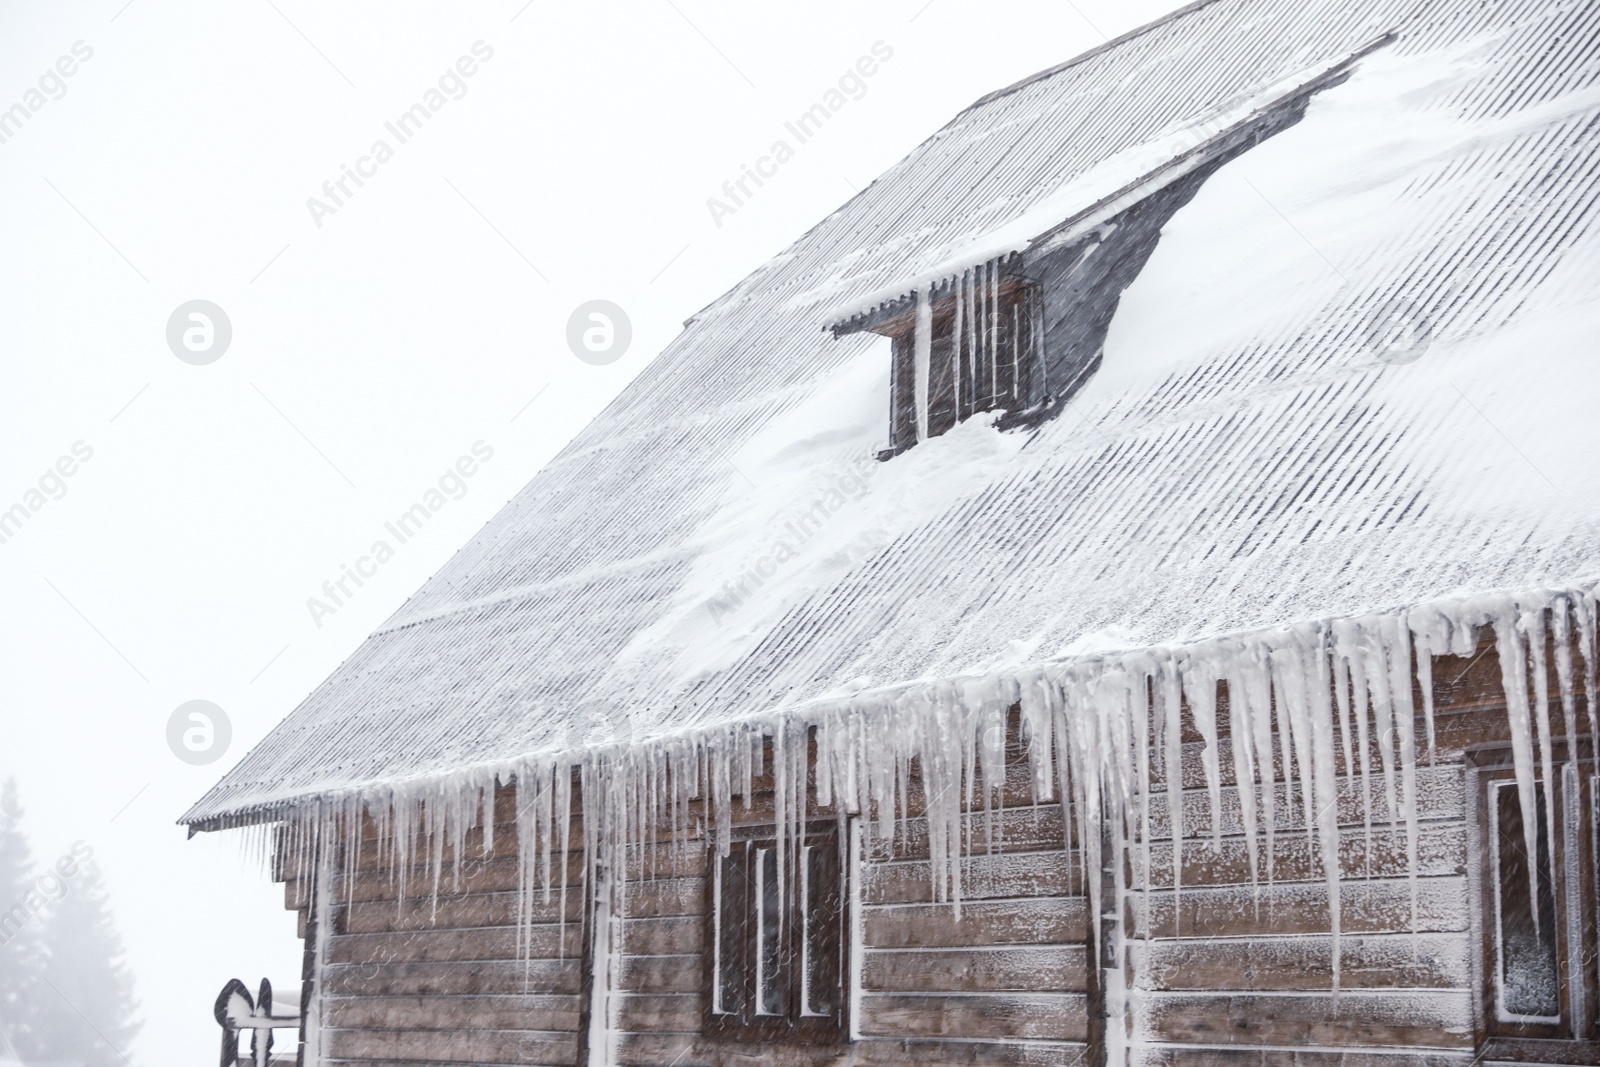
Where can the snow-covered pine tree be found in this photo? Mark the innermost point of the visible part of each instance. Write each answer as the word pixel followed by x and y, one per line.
pixel 21 956
pixel 87 1014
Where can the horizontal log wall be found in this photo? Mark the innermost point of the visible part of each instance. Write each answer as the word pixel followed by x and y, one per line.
pixel 1230 971
pixel 1003 984
pixel 412 978
pixel 1222 971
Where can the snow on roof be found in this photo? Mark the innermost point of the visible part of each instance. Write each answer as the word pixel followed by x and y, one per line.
pixel 1356 374
pixel 1103 190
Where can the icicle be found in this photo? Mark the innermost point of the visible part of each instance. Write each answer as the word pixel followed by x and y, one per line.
pixel 1200 686
pixel 437 829
pixel 1383 717
pixel 486 801
pixel 1514 680
pixel 1586 647
pixel 1347 637
pixel 1585 608
pixel 1172 707
pixel 1430 640
pixel 992 752
pixel 1286 748
pixel 321 906
pixel 1241 731
pixel 1561 633
pixel 1341 691
pixel 1256 692
pixel 1143 711
pixel 1122 742
pixel 743 771
pixel 721 793
pixel 1016 350
pixel 1289 683
pixel 1090 813
pixel 991 342
pixel 527 848
pixel 980 334
pixel 1039 369
pixel 1320 727
pixel 781 785
pixel 1405 726
pixel 955 346
pixel 969 299
pixel 1096 730
pixel 1532 623
pixel 1035 706
pixel 921 360
pixel 562 778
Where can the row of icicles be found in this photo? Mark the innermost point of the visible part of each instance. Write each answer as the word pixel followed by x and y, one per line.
pixel 985 351
pixel 1308 707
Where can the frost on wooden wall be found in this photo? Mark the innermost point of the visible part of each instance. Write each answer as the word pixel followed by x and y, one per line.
pixel 1097 729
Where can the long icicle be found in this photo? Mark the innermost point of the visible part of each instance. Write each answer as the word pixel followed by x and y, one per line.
pixel 1532 623
pixel 921 359
pixel 1319 648
pixel 1172 707
pixel 1514 680
pixel 1406 733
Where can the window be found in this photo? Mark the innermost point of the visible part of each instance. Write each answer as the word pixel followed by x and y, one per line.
pixel 1537 910
pixel 1527 978
pixel 981 331
pixel 777 933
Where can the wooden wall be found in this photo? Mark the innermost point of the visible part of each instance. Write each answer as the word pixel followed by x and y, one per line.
pixel 1224 973
pixel 1219 973
pixel 409 983
pixel 1005 984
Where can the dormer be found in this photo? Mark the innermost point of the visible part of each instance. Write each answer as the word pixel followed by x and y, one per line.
pixel 1016 320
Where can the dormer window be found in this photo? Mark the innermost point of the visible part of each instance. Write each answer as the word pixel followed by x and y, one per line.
pixel 965 347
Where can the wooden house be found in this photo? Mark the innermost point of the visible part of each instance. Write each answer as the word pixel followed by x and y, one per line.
pixel 1119 590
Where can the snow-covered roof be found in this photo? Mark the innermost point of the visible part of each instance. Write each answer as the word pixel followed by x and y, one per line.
pixel 1357 373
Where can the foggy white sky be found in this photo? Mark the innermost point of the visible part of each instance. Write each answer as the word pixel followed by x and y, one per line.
pixel 368 353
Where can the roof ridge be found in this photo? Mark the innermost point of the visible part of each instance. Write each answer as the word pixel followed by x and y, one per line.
pixel 1081 57
pixel 986 98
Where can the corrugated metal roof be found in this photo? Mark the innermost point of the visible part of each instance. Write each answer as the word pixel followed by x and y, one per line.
pixel 1284 475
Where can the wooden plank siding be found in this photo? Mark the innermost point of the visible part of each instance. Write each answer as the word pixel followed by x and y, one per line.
pixel 1003 984
pixel 437 979
pixel 1230 971
pixel 1011 967
pixel 412 977
pixel 1223 970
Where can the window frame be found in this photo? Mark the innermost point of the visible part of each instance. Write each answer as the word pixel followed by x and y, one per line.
pixel 1573 883
pixel 1497 788
pixel 743 1021
pixel 1017 318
